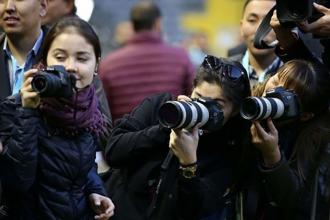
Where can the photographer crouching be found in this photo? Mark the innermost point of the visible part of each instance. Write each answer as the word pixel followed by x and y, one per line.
pixel 181 159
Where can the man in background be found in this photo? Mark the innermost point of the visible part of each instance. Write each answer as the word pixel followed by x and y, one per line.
pixel 145 65
pixel 259 63
pixel 58 9
pixel 21 41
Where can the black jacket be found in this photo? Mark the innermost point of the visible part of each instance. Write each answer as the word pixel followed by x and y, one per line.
pixel 281 192
pixel 45 175
pixel 294 196
pixel 138 147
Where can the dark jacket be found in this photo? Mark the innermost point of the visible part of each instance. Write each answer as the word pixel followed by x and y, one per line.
pixel 297 197
pixel 137 150
pixel 45 175
pixel 281 192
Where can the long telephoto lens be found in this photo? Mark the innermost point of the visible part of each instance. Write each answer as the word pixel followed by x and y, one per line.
pixel 181 114
pixel 258 108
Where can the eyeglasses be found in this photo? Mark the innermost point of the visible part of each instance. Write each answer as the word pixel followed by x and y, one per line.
pixel 227 70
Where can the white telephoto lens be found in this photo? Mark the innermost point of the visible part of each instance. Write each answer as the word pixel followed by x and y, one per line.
pixel 261 108
pixel 205 114
pixel 280 108
pixel 194 115
pixel 183 113
pixel 267 109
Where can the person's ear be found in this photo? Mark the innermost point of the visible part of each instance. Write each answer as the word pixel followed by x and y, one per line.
pixel 69 6
pixel 43 7
pixel 96 70
pixel 305 116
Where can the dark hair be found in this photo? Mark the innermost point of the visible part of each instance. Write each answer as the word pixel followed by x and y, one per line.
pixel 143 15
pixel 71 23
pixel 248 1
pixel 234 90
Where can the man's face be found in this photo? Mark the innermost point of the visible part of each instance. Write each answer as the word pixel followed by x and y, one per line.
pixel 21 16
pixel 57 9
pixel 254 13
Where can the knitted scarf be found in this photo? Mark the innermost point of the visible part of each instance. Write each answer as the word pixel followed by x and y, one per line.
pixel 75 114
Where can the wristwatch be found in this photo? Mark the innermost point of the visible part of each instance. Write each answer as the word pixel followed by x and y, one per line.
pixel 188 172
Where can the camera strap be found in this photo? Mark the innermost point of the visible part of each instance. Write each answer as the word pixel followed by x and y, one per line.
pixel 160 187
pixel 263 30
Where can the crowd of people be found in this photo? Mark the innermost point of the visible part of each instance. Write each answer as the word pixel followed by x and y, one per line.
pixel 145 134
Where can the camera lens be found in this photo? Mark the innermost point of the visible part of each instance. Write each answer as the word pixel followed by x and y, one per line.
pixel 181 114
pixel 169 115
pixel 46 84
pixel 39 83
pixel 258 108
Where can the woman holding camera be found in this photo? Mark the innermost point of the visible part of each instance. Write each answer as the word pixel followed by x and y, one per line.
pixel 49 143
pixel 296 152
pixel 161 173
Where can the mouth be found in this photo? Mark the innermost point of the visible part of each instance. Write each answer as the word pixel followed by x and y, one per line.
pixel 11 19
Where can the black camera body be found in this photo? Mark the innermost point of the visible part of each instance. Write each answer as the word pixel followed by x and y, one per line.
pixel 291 11
pixel 279 104
pixel 187 114
pixel 54 81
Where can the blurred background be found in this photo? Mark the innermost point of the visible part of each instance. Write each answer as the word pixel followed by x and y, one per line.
pixel 212 25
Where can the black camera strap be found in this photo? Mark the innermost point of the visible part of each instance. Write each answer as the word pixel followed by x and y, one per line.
pixel 263 30
pixel 159 189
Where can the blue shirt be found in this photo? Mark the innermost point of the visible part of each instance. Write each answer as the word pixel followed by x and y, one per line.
pixel 16 72
pixel 254 78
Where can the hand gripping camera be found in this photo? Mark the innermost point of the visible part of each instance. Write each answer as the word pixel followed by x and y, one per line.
pixel 279 104
pixel 187 114
pixel 54 81
pixel 291 11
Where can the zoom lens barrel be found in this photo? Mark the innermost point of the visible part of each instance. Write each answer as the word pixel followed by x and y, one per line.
pixel 258 108
pixel 181 114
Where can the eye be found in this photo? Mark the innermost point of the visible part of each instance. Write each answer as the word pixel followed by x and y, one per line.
pixel 60 58
pixel 252 21
pixel 82 59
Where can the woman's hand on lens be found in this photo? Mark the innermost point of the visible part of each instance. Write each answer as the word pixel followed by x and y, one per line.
pixel 183 144
pixel 266 142
pixel 30 98
pixel 184 98
pixel 102 206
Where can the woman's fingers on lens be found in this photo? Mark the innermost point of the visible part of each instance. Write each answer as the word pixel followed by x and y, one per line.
pixel 30 73
pixel 29 95
pixel 259 129
pixel 271 126
pixel 183 98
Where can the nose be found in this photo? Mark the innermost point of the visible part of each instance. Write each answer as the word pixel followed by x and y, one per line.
pixel 10 6
pixel 71 66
